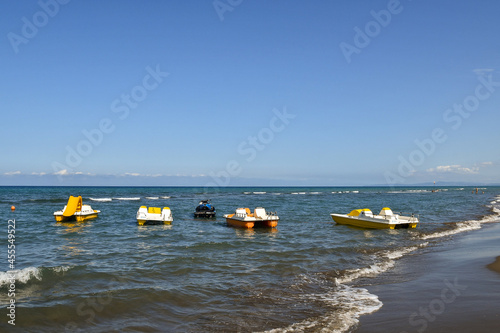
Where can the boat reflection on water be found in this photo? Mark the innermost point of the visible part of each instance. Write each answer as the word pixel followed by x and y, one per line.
pixel 152 227
pixel 250 233
pixel 73 227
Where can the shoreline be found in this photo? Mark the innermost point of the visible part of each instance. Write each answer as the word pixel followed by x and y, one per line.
pixel 451 287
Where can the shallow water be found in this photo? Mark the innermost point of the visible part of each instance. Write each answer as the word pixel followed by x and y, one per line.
pixel 200 275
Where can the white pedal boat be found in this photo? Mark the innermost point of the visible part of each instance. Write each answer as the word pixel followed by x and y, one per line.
pixel 154 215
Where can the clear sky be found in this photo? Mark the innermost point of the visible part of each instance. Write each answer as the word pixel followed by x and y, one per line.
pixel 240 92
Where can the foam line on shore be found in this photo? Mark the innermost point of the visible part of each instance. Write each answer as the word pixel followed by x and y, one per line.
pixel 469 225
pixel 387 261
pixel 349 302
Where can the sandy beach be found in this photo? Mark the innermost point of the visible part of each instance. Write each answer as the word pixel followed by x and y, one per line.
pixel 451 287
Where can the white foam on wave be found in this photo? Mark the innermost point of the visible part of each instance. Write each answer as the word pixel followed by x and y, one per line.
pixel 468 225
pixel 387 261
pixel 60 269
pixel 259 192
pixel 460 227
pixel 166 197
pixel 410 191
pixel 128 199
pixel 26 274
pixel 349 304
pixel 152 198
pixel 23 275
pixel 101 199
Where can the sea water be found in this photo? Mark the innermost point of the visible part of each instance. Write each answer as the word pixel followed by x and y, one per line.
pixel 200 275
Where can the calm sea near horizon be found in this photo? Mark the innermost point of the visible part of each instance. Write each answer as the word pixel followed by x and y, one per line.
pixel 197 275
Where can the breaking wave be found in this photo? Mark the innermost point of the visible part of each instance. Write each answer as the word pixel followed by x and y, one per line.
pixel 101 199
pixel 29 274
pixel 469 225
pixel 348 302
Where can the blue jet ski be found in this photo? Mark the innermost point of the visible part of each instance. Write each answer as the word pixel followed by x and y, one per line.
pixel 204 209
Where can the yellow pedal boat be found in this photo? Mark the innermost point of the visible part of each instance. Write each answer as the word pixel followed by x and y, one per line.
pixel 154 215
pixel 386 219
pixel 75 211
pixel 243 218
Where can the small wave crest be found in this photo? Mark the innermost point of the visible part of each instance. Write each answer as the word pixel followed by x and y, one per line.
pixel 386 261
pixel 459 227
pixel 152 198
pixel 101 199
pixel 29 274
pixel 469 225
pixel 349 304
pixel 129 199
pixel 413 191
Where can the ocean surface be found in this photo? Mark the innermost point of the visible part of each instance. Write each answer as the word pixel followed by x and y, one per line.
pixel 197 275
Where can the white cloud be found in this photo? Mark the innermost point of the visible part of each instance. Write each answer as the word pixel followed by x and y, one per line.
pixel 62 172
pixel 455 169
pixel 132 174
pixel 65 172
pixel 156 175
pixel 12 173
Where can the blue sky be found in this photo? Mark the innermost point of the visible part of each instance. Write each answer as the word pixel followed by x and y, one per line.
pixel 249 92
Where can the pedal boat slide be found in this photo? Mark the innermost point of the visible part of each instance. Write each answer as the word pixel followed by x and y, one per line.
pixel 243 218
pixel 154 215
pixel 75 211
pixel 364 218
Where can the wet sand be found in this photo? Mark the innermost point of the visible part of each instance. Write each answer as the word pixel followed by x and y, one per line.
pixel 495 266
pixel 453 286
